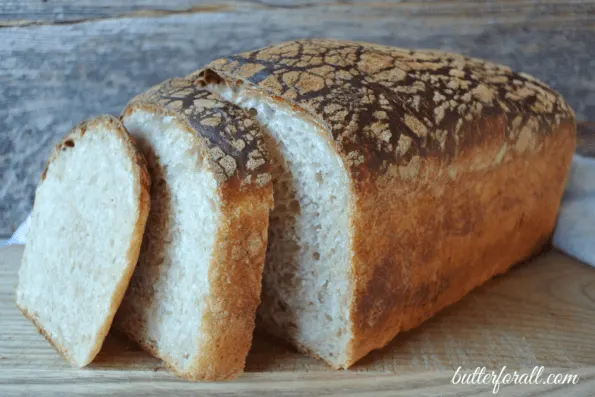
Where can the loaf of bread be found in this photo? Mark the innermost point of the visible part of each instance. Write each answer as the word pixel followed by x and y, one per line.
pixel 86 229
pixel 193 297
pixel 402 180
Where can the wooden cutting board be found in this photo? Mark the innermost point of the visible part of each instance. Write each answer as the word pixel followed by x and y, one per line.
pixel 540 313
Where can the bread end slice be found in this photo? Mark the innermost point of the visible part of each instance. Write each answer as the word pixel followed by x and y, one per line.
pixel 88 219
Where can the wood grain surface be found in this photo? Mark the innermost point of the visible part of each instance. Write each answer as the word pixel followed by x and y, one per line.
pixel 29 12
pixel 540 313
pixel 22 12
pixel 62 61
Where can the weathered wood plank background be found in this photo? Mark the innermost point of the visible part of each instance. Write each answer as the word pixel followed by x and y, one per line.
pixel 62 61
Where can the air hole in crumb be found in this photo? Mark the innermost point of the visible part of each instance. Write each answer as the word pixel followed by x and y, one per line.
pixel 339 332
pixel 211 77
pixel 328 317
pixel 319 177
pixel 252 112
pixel 69 143
pixel 316 255
pixel 186 356
pixel 321 292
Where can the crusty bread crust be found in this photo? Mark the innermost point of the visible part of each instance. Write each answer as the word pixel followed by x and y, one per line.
pixel 457 166
pixel 235 277
pixel 142 187
pixel 383 105
pixel 246 198
pixel 230 138
pixel 432 243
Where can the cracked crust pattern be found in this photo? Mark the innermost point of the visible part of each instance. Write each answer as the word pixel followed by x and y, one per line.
pixel 385 105
pixel 232 138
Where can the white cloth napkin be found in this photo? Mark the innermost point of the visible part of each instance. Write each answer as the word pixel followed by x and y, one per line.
pixel 575 230
pixel 20 235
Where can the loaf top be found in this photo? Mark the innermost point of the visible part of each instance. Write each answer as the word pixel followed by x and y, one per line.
pixel 231 137
pixel 385 105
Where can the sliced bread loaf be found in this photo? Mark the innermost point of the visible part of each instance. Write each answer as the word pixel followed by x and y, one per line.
pixel 402 180
pixel 193 297
pixel 83 243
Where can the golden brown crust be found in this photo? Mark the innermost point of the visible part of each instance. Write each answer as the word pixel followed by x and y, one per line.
pixel 457 166
pixel 141 190
pixel 230 137
pixel 384 105
pixel 235 277
pixel 436 238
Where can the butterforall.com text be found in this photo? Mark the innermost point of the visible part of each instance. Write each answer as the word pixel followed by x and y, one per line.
pixel 483 376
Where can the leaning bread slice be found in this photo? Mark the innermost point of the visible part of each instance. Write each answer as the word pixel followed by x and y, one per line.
pixel 86 230
pixel 402 180
pixel 193 297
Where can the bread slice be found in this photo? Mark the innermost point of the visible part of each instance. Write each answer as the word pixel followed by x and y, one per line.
pixel 85 235
pixel 402 180
pixel 193 297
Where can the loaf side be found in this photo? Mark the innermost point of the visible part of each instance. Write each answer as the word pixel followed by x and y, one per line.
pixel 423 244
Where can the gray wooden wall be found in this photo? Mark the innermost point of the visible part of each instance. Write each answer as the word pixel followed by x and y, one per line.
pixel 62 61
